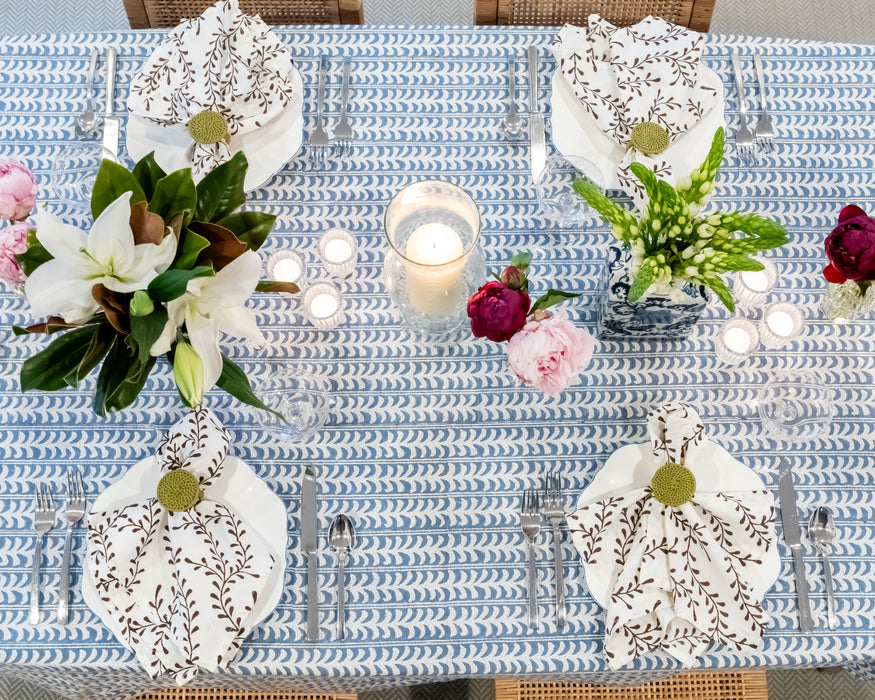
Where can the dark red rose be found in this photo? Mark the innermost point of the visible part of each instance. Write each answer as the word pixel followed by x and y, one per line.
pixel 850 247
pixel 497 311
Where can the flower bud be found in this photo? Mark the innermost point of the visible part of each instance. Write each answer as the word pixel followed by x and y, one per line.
pixel 514 278
pixel 188 373
pixel 141 304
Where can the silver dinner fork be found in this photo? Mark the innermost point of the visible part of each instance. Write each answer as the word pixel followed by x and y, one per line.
pixel 75 511
pixel 319 137
pixel 743 136
pixel 554 511
pixel 342 134
pixel 43 520
pixel 530 520
pixel 765 132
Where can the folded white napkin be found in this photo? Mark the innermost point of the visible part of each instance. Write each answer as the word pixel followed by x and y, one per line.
pixel 224 61
pixel 649 72
pixel 181 586
pixel 679 574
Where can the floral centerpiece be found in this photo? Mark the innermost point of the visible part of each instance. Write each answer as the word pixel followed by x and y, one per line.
pixel 850 249
pixel 544 351
pixel 18 192
pixel 165 269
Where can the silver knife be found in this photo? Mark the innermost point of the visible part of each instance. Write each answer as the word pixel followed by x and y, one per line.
pixel 110 121
pixel 793 538
pixel 538 153
pixel 309 545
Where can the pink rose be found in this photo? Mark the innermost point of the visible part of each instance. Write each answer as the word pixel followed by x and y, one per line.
pixel 17 191
pixel 13 239
pixel 549 355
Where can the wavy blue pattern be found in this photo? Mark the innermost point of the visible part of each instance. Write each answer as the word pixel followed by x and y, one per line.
pixel 429 443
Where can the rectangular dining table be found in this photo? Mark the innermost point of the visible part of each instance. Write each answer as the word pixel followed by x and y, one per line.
pixel 430 441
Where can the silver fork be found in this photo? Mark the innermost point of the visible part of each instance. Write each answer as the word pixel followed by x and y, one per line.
pixel 765 132
pixel 555 514
pixel 43 520
pixel 75 511
pixel 319 137
pixel 342 134
pixel 530 520
pixel 743 137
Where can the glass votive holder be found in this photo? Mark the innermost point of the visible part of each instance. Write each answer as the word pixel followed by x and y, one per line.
pixel 751 287
pixel 323 305
pixel 781 323
pixel 338 250
pixel 736 340
pixel 287 266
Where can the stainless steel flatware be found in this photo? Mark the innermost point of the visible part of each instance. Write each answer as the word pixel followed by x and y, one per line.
pixel 111 126
pixel 554 512
pixel 43 521
pixel 765 132
pixel 821 531
pixel 341 537
pixel 319 137
pixel 75 511
pixel 309 545
pixel 512 126
pixel 530 522
pixel 538 152
pixel 793 538
pixel 342 134
pixel 743 136
pixel 86 122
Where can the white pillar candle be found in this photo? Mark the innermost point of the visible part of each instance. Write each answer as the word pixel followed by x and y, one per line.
pixel 751 287
pixel 323 305
pixel 782 322
pixel 287 266
pixel 433 283
pixel 337 251
pixel 287 270
pixel 738 340
pixel 757 281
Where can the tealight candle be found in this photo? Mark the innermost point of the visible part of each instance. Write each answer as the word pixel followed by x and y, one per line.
pixel 338 249
pixel 736 340
pixel 286 266
pixel 322 304
pixel 434 290
pixel 751 287
pixel 782 321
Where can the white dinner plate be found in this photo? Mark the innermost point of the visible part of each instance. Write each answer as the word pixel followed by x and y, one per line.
pixel 631 467
pixel 239 487
pixel 576 134
pixel 267 149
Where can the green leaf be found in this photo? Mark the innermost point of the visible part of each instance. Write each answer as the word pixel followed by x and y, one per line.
pixel 721 290
pixel 113 180
pixel 221 191
pixel 188 250
pixel 551 298
pixel 521 260
pixel 146 329
pixel 644 278
pixel 148 172
pixel 621 221
pixel 48 369
pixel 175 194
pixel 33 257
pixel 274 286
pixel 121 378
pixel 251 227
pixel 171 284
pixel 100 344
pixel 234 381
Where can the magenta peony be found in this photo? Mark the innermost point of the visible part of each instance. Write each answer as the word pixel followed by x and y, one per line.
pixel 850 247
pixel 13 240
pixel 497 311
pixel 17 191
pixel 549 355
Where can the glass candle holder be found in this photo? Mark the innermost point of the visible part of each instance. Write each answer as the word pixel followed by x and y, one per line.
pixel 435 261
pixel 736 340
pixel 323 305
pixel 338 250
pixel 287 266
pixel 751 287
pixel 781 323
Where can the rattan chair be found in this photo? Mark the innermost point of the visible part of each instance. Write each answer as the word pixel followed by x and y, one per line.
pixel 695 14
pixel 145 14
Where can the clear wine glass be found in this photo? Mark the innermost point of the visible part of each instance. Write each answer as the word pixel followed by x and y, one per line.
pixel 796 405
pixel 556 196
pixel 302 399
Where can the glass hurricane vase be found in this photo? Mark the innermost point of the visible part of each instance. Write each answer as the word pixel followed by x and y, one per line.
pixel 844 303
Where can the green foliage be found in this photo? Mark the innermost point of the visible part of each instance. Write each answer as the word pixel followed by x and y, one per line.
pixel 551 298
pixel 112 181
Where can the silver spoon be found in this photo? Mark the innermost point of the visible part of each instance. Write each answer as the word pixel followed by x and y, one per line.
pixel 341 537
pixel 822 530
pixel 512 126
pixel 86 123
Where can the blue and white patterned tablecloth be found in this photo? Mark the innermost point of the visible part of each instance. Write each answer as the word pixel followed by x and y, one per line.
pixel 429 444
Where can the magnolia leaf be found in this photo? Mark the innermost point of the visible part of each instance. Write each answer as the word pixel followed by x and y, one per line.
pixel 148 172
pixel 121 378
pixel 223 248
pixel 175 194
pixel 47 369
pixel 551 298
pixel 112 181
pixel 521 260
pixel 251 227
pixel 234 381
pixel 171 284
pixel 115 305
pixel 189 249
pixel 147 226
pixel 98 348
pixel 276 286
pixel 221 190
pixel 52 324
pixel 145 330
pixel 33 257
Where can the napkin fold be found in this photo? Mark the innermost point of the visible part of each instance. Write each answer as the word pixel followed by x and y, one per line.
pixel 649 72
pixel 181 586
pixel 679 575
pixel 224 61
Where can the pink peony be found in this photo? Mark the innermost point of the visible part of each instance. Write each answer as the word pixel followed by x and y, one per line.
pixel 549 355
pixel 17 191
pixel 497 311
pixel 13 239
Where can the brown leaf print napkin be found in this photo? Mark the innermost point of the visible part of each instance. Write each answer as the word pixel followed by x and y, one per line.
pixel 180 585
pixel 224 61
pixel 679 574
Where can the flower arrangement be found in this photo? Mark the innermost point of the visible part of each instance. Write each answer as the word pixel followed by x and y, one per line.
pixel 546 352
pixel 850 249
pixel 18 192
pixel 165 269
pixel 672 244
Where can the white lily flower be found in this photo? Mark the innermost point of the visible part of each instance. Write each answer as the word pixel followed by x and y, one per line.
pixel 213 305
pixel 106 255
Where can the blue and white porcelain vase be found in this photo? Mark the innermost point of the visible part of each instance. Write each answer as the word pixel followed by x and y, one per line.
pixel 657 317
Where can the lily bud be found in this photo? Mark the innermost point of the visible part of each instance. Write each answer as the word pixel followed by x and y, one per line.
pixel 514 278
pixel 188 373
pixel 141 304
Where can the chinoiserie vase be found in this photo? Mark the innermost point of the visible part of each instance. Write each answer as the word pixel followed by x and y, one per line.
pixel 844 303
pixel 656 317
